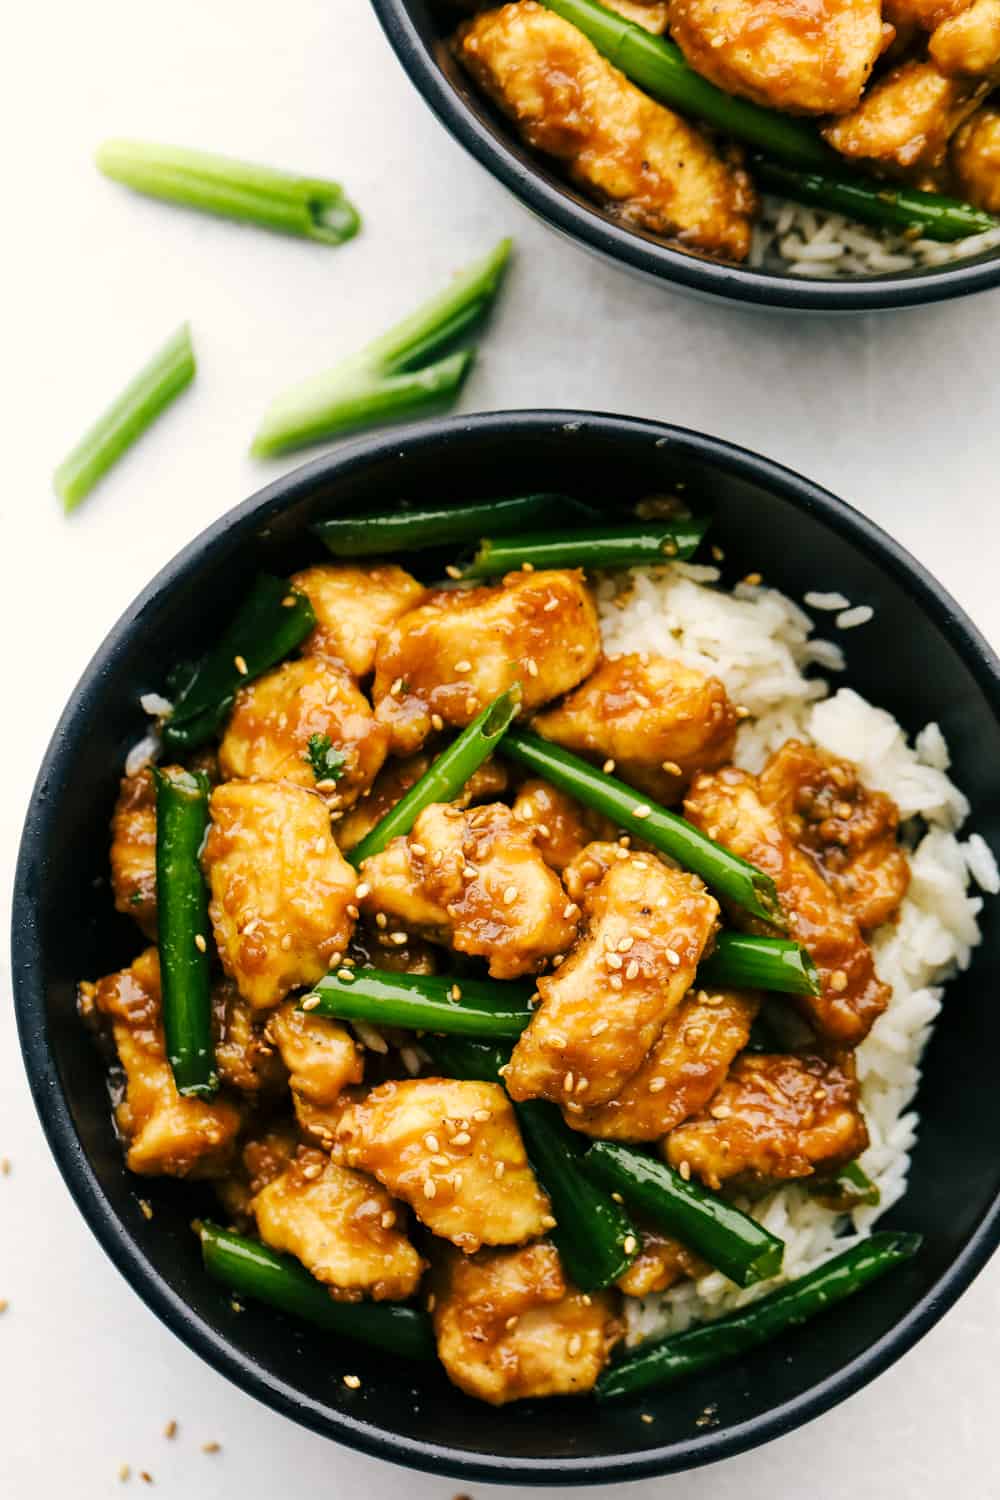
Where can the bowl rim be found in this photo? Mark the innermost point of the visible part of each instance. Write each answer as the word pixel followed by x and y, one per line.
pixel 222 535
pixel 661 262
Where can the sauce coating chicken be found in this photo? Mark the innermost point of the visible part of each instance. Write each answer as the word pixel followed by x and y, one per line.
pixel 453 1151
pixel 444 662
pixel 561 827
pixel 133 849
pixel 604 1007
pixel 321 1056
pixel 906 118
pixel 727 806
pixel 651 167
pixel 280 888
pixel 659 1265
pixel 342 1226
pixel 849 831
pixel 810 58
pixel 166 1133
pixel 509 1325
pixel 968 44
pixel 975 159
pixel 262 1158
pixel 275 718
pixel 657 720
pixel 353 606
pixel 776 1117
pixel 394 781
pixel 475 879
pixel 687 1064
pixel 245 1058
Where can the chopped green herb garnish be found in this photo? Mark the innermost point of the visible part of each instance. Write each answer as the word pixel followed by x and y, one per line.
pixel 327 763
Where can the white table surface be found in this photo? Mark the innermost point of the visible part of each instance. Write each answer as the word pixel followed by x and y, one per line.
pixel 896 413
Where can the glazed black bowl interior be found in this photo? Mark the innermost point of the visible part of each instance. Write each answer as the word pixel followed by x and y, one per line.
pixel 922 660
pixel 419 31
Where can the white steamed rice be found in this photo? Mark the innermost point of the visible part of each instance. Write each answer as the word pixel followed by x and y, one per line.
pixel 760 643
pixel 806 242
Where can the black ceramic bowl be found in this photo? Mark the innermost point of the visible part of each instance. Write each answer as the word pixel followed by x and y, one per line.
pixel 419 31
pixel 923 660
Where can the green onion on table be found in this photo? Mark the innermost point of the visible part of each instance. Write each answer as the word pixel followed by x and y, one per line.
pixel 311 207
pixel 730 1240
pixel 793 158
pixel 623 546
pixel 445 778
pixel 183 929
pixel 593 1233
pixel 399 373
pixel 272 621
pixel 726 873
pixel 157 384
pixel 711 1344
pixel 252 1270
pixel 428 526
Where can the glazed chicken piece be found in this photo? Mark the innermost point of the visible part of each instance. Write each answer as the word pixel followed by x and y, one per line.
pixel 476 880
pixel 321 1056
pixel 560 825
pixel 968 44
pixel 262 1158
pixel 453 1151
pixel 688 1063
pixel 660 1264
pixel 849 831
pixel 811 58
pixel 342 1226
pixel 920 15
pixel 244 1056
pixel 444 662
pixel 509 1325
pixel 133 849
pixel 727 806
pixel 604 1007
pixel 394 780
pixel 906 118
pixel 652 168
pixel 658 722
pixel 776 1117
pixel 280 888
pixel 353 606
pixel 287 724
pixel 975 159
pixel 167 1134
pixel 651 15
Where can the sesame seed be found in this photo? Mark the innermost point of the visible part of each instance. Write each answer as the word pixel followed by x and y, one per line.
pixel 124 1473
pixel 587 1299
pixel 599 1027
pixel 145 1476
pixel 548 608
pixel 454 993
pixel 532 666
pixel 642 811
pixel 608 767
pixel 616 982
pixel 352 1382
pixel 353 912
pixel 557 959
pixel 312 1171
pixel 673 957
pixel 145 1208
pixel 582 1084
pixel 512 1322
pixel 838 980
pixel 499 1170
pixel 671 767
pixel 399 938
pixel 621 854
pixel 753 579
pixel 347 975
pixel 170 1430
pixel 437 722
pixel 510 895
pixel 685 1170
pixel 471 704
pixel 199 942
pixel 570 910
pixel 452 571
pixel 463 1138
pixel 463 666
pixel 613 960
pixel 5 1166
pixel 431 1142
pixel 289 601
pixel 568 1083
pixel 430 1187
pixel 574 1345
pixel 482 1115
pixel 657 1085
pixel 240 665
pixel 625 944
pixel 630 1244
pixel 720 1112
pixel 632 969
pixel 211 1447
pixel 381 920
pixel 618 1197
pixel 361 891
pixel 548 1222
pixel 469 872
pixel 418 850
pixel 397 688
pixel 527 567
pixel 644 1416
pixel 431 1302
pixel 388 1219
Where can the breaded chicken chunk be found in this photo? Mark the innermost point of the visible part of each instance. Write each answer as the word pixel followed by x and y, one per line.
pixel 282 724
pixel 687 1064
pixel 661 1262
pixel 244 1056
pixel 133 849
pixel 811 58
pixel 475 879
pixel 968 44
pixel 342 1226
pixel 444 662
pixel 560 825
pixel 727 806
pixel 776 1117
pixel 280 888
pixel 657 720
pixel 394 781
pixel 907 117
pixel 321 1056
pixel 167 1134
pixel 649 166
pixel 975 159
pixel 263 1156
pixel 453 1151
pixel 509 1325
pixel 849 830
pixel 606 1004
pixel 353 606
